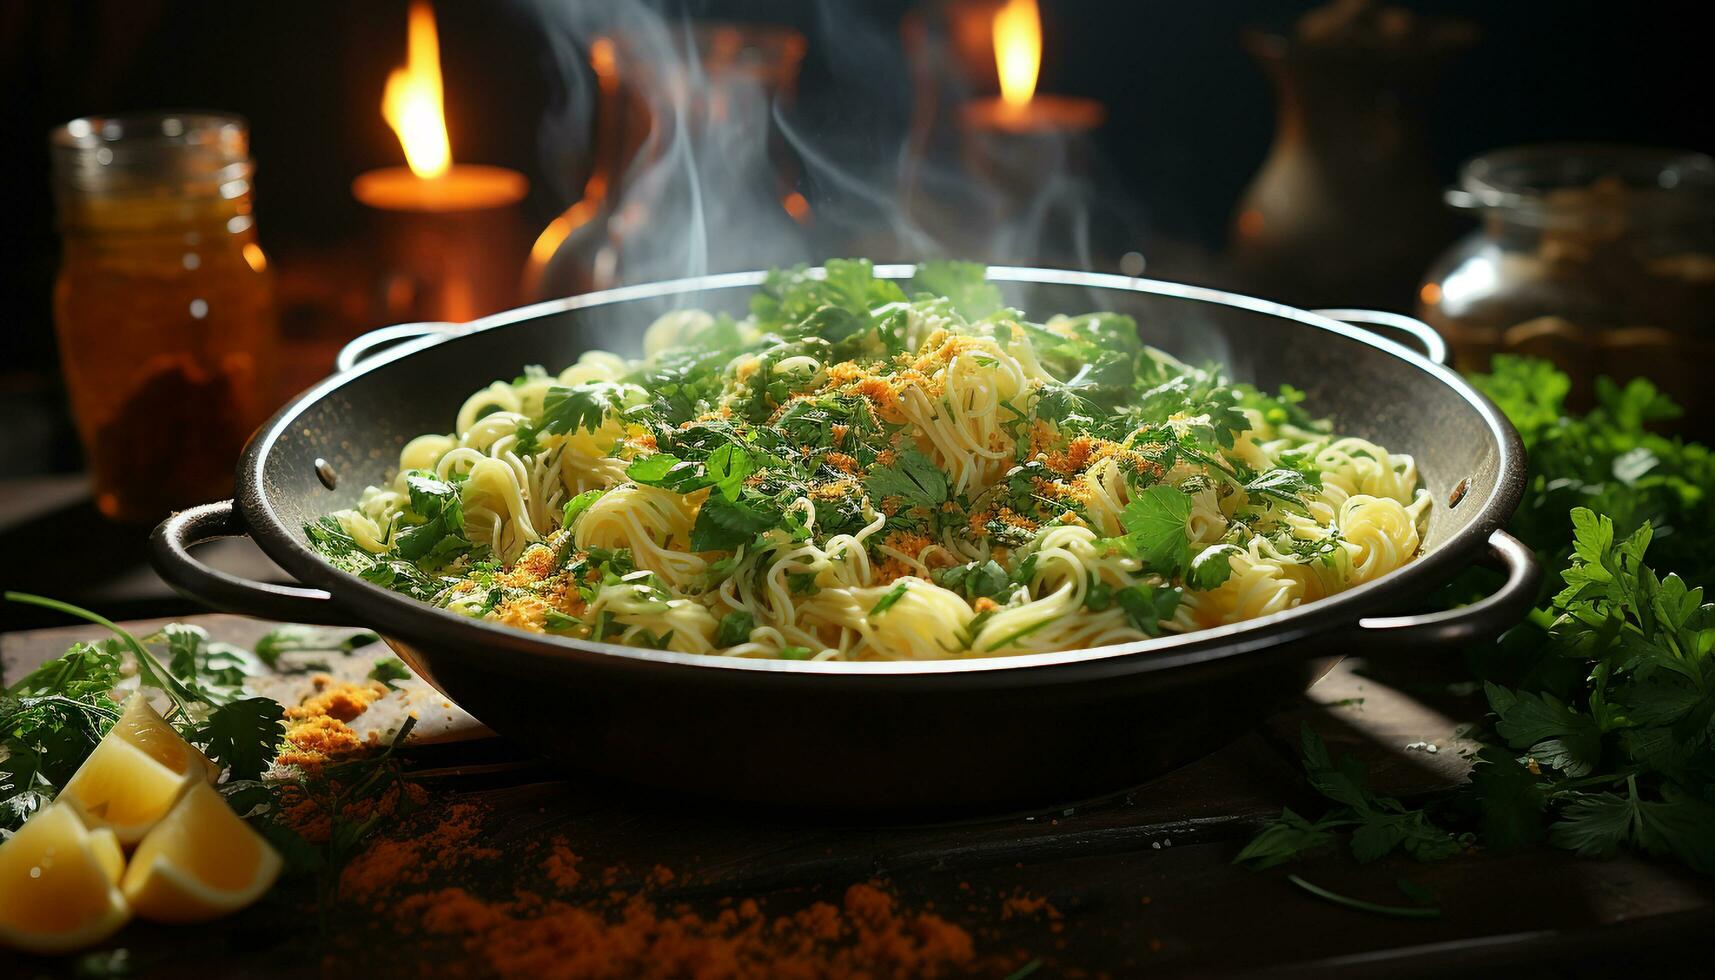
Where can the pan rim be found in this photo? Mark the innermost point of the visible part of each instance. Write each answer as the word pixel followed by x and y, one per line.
pixel 398 615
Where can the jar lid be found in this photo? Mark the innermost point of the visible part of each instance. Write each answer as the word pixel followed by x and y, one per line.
pixel 171 152
pixel 1568 183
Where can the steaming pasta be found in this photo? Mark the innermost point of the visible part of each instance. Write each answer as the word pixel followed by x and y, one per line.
pixel 858 472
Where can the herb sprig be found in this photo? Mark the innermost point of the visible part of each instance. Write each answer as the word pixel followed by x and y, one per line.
pixel 1602 727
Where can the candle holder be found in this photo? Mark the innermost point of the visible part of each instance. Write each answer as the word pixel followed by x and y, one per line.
pixel 1003 172
pixel 451 237
pixel 450 246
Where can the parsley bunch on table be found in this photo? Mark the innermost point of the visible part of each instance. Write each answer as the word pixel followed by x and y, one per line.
pixel 1602 726
pixel 52 718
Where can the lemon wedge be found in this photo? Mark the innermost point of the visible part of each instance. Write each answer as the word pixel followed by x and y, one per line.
pixel 142 726
pixel 123 788
pixel 136 773
pixel 200 862
pixel 58 889
pixel 104 844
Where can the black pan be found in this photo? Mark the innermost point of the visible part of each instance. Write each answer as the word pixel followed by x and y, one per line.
pixel 985 732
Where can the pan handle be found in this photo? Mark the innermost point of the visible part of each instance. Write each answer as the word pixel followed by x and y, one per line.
pixel 366 344
pixel 1481 620
pixel 169 552
pixel 1431 342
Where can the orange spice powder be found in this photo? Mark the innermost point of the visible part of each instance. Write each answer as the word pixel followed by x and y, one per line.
pixel 341 701
pixel 561 866
pixel 404 880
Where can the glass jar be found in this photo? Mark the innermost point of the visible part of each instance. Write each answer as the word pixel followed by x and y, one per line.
pixel 163 306
pixel 1599 257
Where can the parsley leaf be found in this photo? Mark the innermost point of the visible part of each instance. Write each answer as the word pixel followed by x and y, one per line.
pixel 1156 528
pixel 734 629
pixel 241 735
pixel 976 580
pixel 964 283
pixel 1282 484
pixel 1285 839
pixel 304 639
pixel 887 601
pixel 584 406
pixel 1211 568
pixel 727 525
pixel 1555 734
pixel 914 478
pixel 389 669
pixel 1379 824
pixel 577 505
pixel 725 469
pixel 436 502
pixel 1147 605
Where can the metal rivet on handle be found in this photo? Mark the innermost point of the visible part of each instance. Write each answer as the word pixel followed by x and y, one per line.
pixel 325 473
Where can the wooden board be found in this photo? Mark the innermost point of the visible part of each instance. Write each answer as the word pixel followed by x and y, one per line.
pixel 438 719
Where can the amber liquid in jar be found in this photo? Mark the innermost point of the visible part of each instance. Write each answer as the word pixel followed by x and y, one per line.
pixel 164 309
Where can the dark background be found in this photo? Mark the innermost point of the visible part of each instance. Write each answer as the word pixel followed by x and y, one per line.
pixel 1191 115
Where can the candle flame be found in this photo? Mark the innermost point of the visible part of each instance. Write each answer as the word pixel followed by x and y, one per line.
pixel 412 102
pixel 1018 50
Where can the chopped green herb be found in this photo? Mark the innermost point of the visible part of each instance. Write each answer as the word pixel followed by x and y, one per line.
pixel 389 669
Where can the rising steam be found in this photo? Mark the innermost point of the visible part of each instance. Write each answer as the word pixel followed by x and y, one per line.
pixel 718 159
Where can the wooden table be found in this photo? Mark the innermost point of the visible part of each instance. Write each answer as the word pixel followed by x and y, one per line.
pixel 1140 883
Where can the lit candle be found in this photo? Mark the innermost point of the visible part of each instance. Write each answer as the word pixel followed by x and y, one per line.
pixel 451 233
pixel 1018 60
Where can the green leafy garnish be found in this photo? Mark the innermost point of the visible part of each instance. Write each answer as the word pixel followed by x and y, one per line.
pixel 964 284
pixel 584 406
pixel 887 601
pixel 52 718
pixel 389 669
pixel 1156 528
pixel 310 639
pixel 913 478
pixel 1603 702
pixel 734 629
pixel 1379 825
